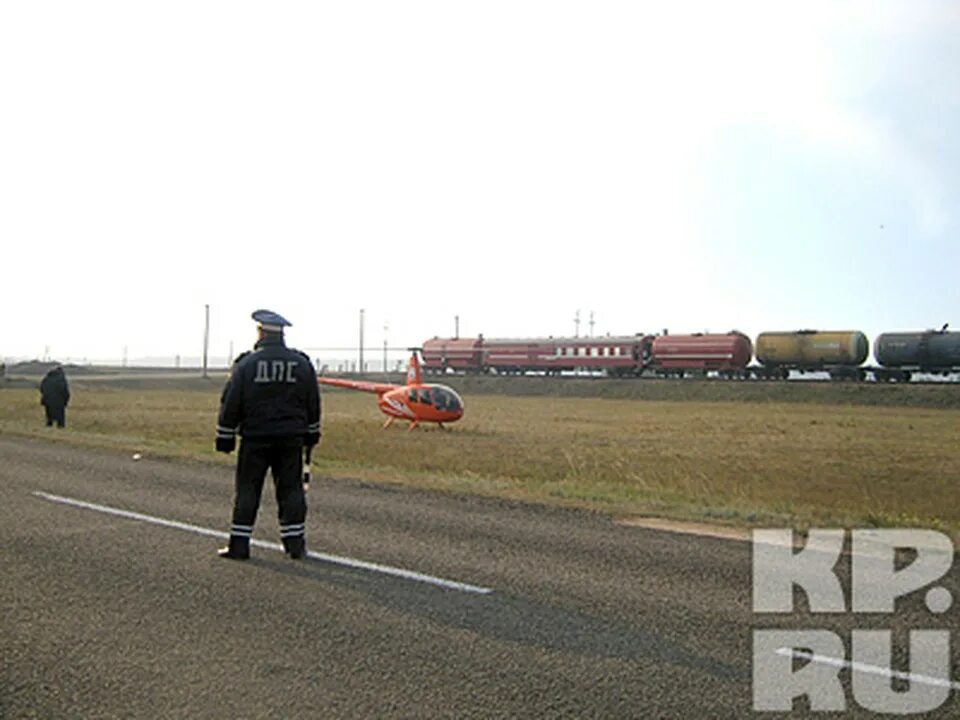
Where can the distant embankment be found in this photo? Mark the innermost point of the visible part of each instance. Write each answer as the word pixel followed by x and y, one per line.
pixel 25 375
pixel 923 395
pixel 38 368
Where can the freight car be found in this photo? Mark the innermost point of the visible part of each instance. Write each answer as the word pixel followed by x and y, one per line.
pixel 840 353
pixel 463 355
pixel 676 355
pixel 901 354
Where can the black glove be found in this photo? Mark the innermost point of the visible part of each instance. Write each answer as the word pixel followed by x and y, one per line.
pixel 226 445
pixel 311 439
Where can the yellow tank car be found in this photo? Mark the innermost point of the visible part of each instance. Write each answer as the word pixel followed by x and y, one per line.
pixel 812 348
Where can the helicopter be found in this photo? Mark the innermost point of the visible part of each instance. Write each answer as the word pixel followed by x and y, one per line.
pixel 415 401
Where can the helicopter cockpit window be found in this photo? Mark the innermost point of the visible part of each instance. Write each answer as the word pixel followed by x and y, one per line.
pixel 413 396
pixel 425 397
pixel 445 400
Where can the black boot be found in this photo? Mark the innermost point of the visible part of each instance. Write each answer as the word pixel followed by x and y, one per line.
pixel 295 547
pixel 237 549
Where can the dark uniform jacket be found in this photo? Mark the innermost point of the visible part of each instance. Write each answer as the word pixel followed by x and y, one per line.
pixel 272 393
pixel 54 391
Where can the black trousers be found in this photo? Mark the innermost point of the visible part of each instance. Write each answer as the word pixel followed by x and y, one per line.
pixel 56 414
pixel 283 456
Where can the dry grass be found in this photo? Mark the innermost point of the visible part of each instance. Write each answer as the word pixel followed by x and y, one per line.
pixel 742 463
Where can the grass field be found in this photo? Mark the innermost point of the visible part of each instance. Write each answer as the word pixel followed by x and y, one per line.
pixel 741 463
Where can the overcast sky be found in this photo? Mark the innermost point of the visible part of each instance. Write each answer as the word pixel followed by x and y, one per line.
pixel 692 166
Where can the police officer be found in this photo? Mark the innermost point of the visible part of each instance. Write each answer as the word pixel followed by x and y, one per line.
pixel 272 401
pixel 54 396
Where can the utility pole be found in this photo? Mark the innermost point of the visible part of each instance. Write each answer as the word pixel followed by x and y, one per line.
pixel 206 336
pixel 360 369
pixel 591 323
pixel 576 324
pixel 456 327
pixel 386 327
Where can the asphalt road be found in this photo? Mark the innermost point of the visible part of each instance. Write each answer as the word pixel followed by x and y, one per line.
pixel 109 616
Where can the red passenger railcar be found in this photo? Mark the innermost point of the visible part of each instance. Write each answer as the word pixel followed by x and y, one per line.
pixel 727 354
pixel 518 355
pixel 613 355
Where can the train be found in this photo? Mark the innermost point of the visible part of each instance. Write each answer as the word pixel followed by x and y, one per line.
pixel 773 355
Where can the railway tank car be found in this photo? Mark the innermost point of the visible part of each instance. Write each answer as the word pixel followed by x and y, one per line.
pixel 677 355
pixel 900 354
pixel 838 352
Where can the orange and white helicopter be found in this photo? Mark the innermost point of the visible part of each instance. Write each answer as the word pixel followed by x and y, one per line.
pixel 416 401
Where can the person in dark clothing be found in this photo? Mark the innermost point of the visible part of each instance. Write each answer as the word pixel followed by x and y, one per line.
pixel 54 396
pixel 272 401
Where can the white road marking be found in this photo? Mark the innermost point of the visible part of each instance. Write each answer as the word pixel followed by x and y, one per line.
pixel 871 669
pixel 323 557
